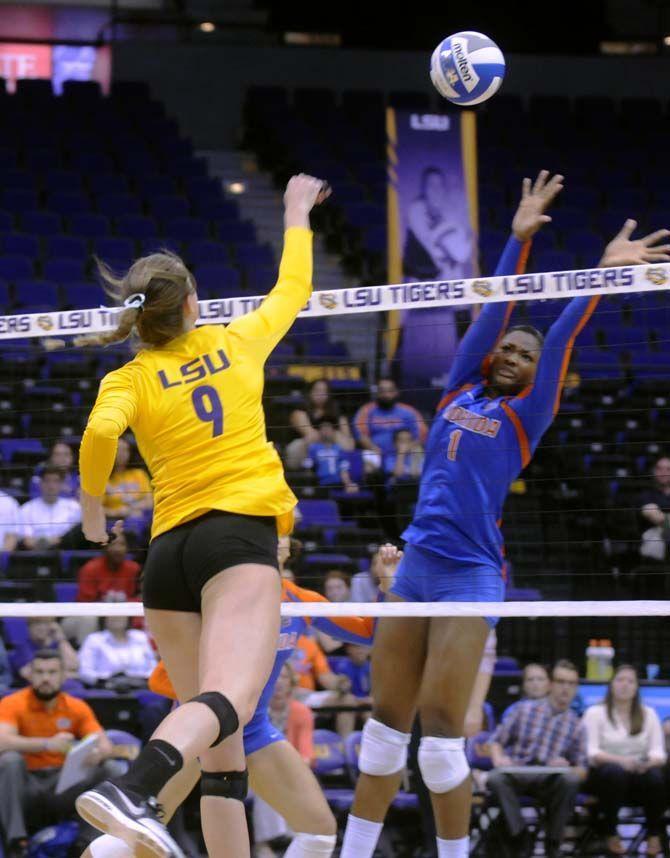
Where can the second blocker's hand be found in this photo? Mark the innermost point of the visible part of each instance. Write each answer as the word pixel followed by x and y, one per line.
pixel 623 250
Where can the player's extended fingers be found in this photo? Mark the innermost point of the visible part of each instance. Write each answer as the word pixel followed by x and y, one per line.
pixel 653 237
pixel 553 187
pixel 627 229
pixel 526 187
pixel 656 257
pixel 541 181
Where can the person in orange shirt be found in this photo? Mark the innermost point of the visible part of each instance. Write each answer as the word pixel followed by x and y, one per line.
pixel 38 726
pixel 312 669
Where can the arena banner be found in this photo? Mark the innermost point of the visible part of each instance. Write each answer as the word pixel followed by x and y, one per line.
pixel 432 229
pixel 435 296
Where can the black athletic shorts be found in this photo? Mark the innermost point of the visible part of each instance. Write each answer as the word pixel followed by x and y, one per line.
pixel 182 560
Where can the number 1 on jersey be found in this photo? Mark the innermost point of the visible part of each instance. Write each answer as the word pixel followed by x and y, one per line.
pixel 454 441
pixel 208 407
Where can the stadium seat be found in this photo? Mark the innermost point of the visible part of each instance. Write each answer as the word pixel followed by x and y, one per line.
pixel 16 267
pixel 169 206
pixel 186 228
pixel 204 252
pixel 234 231
pixel 68 202
pixel 89 225
pixel 118 204
pixel 42 223
pixel 20 244
pixel 36 292
pixel 64 270
pixel 67 247
pixel 213 277
pixel 136 226
pixel 19 201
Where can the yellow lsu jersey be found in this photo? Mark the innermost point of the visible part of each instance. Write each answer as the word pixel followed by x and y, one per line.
pixel 195 407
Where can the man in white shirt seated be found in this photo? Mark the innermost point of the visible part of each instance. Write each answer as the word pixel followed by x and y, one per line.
pixel 9 522
pixel 45 520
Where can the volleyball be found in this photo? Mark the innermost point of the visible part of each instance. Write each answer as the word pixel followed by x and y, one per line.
pixel 467 68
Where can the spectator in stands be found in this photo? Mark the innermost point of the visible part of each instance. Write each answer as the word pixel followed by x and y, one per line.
pixel 296 721
pixel 655 513
pixel 110 577
pixel 62 458
pixel 535 681
pixel 327 459
pixel 405 462
pixel 365 585
pixel 9 522
pixel 45 520
pixel 318 686
pixel 116 655
pixel 44 633
pixel 128 494
pixel 626 754
pixel 37 728
pixel 376 423
pixel 535 735
pixel 337 586
pixel 5 669
pixel 318 405
pixel 535 684
pixel 356 667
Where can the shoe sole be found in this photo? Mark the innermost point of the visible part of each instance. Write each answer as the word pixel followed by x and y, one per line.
pixel 103 815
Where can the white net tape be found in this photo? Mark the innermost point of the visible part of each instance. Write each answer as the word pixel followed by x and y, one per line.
pixel 640 608
pixel 368 299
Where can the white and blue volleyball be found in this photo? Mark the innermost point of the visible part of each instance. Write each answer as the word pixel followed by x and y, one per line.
pixel 467 68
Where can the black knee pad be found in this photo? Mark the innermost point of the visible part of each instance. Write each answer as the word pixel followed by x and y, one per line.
pixel 225 784
pixel 224 711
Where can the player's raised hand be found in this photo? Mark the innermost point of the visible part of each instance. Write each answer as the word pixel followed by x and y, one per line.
pixel 536 197
pixel 624 250
pixel 389 557
pixel 305 191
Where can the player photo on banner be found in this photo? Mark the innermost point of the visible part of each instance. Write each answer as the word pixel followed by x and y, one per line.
pixel 436 238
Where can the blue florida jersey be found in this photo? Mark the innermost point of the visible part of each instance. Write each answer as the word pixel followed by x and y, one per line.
pixel 477 445
pixel 358 630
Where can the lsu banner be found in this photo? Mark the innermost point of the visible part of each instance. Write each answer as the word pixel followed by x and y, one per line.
pixel 437 296
pixel 432 228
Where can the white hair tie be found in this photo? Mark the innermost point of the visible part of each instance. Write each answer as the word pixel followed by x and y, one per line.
pixel 135 301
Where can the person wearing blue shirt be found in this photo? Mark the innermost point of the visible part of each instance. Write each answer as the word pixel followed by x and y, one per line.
pixel 376 423
pixel 502 393
pixel 327 459
pixel 356 666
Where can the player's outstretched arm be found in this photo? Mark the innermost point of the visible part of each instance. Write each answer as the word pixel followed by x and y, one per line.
pixel 269 323
pixel 483 334
pixel 539 408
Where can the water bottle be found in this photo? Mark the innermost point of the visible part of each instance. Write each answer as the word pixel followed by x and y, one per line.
pixel 592 653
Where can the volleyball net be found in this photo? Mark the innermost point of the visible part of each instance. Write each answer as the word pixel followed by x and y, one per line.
pixel 572 528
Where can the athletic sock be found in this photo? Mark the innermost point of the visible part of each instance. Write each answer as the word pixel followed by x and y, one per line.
pixel 360 837
pixel 157 763
pixel 453 848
